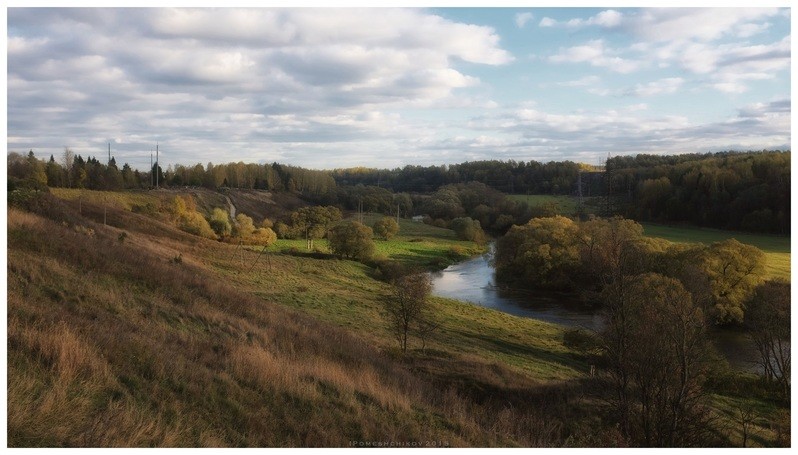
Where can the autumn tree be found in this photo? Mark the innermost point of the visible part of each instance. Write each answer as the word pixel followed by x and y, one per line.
pixel 352 240
pixel 243 227
pixel 544 252
pixel 386 227
pixel 408 308
pixel 768 320
pixel 733 270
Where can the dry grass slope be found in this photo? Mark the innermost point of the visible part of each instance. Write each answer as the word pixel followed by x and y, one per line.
pixel 114 343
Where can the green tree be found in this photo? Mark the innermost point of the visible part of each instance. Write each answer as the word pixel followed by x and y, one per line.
pixel 352 240
pixel 314 221
pixel 386 227
pixel 55 173
pixel 36 170
pixel 408 307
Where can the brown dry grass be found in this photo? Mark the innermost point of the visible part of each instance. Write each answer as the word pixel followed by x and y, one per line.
pixel 113 344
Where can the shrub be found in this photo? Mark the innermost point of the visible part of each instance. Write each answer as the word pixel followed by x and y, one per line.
pixel 243 227
pixel 220 222
pixel 263 236
pixel 195 223
pixel 467 229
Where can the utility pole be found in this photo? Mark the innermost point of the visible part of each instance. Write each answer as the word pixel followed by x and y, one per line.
pixel 156 165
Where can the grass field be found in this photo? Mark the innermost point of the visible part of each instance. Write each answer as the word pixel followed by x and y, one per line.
pixel 777 249
pixel 416 244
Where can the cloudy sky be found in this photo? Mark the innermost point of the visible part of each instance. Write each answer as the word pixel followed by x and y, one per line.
pixel 329 88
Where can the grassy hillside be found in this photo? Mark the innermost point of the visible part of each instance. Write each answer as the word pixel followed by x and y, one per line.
pixel 160 338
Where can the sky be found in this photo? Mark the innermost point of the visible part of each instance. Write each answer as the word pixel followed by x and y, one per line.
pixel 388 87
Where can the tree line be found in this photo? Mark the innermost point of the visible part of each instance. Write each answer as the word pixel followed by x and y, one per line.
pixel 737 191
pixel 512 177
pixel 73 171
pixel 728 190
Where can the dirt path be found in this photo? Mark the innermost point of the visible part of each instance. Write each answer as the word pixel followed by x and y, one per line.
pixel 232 208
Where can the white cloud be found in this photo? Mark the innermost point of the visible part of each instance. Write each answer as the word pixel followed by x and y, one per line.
pixel 547 22
pixel 521 19
pixel 241 80
pixel 581 82
pixel 680 24
pixel 595 53
pixel 660 87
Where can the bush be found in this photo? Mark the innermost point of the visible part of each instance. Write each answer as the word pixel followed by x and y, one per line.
pixel 388 270
pixel 285 231
pixel 220 222
pixel 467 229
pixel 195 223
pixel 580 340
pixel 262 236
pixel 243 227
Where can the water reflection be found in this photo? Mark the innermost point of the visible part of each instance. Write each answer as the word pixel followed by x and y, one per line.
pixel 474 281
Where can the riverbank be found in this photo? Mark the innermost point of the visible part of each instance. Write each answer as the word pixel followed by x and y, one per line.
pixel 474 281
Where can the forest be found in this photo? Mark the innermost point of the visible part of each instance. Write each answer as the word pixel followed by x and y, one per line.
pixel 745 191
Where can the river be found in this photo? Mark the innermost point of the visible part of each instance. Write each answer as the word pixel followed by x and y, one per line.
pixel 474 281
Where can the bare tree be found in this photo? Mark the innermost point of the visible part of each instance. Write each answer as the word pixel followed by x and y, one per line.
pixel 68 160
pixel 407 308
pixel 768 318
pixel 656 343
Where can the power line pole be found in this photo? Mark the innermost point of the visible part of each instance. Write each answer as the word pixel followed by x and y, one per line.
pixel 156 166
